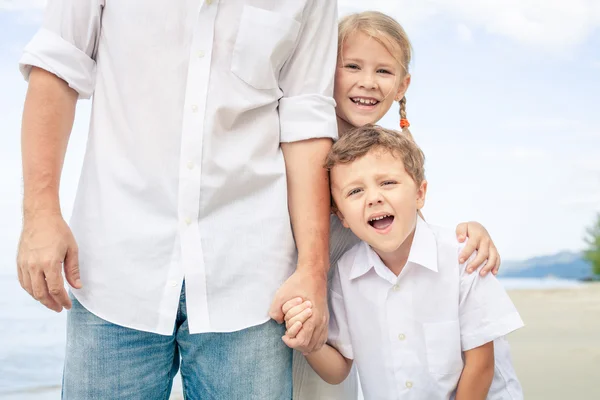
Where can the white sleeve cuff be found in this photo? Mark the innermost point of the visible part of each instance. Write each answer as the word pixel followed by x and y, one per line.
pixel 492 331
pixel 306 117
pixel 344 349
pixel 48 51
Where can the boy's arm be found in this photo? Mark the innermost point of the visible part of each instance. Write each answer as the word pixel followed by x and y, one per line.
pixel 330 364
pixel 478 373
pixel 327 362
pixel 308 125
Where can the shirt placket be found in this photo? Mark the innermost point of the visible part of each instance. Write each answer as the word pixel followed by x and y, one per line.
pixel 190 174
pixel 398 302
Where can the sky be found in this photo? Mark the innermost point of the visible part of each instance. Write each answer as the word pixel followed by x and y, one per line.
pixel 501 101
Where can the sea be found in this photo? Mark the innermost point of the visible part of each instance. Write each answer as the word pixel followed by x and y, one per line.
pixel 32 339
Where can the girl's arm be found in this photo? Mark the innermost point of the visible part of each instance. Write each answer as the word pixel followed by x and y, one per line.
pixel 477 374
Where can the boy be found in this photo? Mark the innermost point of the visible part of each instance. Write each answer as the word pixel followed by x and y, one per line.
pixel 416 323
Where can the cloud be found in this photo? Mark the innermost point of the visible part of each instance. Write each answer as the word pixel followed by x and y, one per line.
pixel 573 127
pixel 464 33
pixel 517 153
pixel 591 200
pixel 528 154
pixel 18 5
pixel 590 165
pixel 553 25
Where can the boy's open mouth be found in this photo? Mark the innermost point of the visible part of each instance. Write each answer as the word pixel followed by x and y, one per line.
pixel 381 222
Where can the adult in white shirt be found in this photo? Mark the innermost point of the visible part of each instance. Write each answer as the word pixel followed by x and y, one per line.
pixel 210 122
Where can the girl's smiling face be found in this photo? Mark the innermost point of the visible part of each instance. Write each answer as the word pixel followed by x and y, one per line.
pixel 368 80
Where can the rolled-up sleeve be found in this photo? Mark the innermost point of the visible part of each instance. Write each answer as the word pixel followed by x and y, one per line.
pixel 66 43
pixel 307 108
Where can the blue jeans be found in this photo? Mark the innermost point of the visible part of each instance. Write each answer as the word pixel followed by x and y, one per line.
pixel 105 361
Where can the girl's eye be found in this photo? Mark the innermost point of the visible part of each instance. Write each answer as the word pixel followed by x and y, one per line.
pixel 353 192
pixel 352 66
pixel 383 71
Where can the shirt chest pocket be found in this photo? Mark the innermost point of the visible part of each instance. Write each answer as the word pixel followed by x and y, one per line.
pixel 264 41
pixel 442 342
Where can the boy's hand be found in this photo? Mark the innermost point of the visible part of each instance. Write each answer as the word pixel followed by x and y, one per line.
pixel 296 313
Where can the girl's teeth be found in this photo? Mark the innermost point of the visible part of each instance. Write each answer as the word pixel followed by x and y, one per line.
pixel 365 101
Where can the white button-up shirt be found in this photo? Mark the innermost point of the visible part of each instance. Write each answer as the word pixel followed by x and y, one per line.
pixel 407 333
pixel 184 177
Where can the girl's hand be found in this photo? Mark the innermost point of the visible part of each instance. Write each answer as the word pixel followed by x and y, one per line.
pixel 296 312
pixel 480 241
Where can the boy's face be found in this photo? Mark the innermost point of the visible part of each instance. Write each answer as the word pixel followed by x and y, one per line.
pixel 377 199
pixel 368 80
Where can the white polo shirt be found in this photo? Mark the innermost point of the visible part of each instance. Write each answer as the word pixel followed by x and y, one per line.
pixel 407 333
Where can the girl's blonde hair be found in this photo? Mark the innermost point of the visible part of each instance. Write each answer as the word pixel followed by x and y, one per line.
pixel 389 33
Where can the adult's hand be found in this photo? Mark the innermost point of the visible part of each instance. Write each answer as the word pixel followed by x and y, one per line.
pixel 309 286
pixel 45 246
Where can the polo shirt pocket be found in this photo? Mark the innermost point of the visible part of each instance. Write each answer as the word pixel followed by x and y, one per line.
pixel 442 342
pixel 264 42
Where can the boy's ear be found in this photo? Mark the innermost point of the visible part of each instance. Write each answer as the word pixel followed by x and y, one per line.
pixel 421 193
pixel 403 88
pixel 338 213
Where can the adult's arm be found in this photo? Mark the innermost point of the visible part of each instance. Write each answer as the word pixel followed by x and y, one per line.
pixel 46 240
pixel 308 125
pixel 59 64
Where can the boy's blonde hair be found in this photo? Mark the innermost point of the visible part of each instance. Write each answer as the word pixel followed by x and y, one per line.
pixel 360 141
pixel 388 32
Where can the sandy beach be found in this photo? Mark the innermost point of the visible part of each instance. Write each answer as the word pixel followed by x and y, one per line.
pixel 557 354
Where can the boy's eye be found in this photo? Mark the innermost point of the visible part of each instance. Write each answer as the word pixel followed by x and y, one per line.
pixel 353 192
pixel 389 183
pixel 352 66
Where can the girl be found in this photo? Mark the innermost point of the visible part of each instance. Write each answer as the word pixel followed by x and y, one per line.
pixel 372 73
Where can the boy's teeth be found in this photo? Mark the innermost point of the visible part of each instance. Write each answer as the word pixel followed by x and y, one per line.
pixel 378 218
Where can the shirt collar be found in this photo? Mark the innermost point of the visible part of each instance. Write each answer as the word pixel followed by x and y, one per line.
pixel 423 252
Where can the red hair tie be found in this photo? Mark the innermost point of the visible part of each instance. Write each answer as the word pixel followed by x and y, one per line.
pixel 404 123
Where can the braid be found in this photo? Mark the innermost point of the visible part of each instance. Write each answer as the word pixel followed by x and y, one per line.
pixel 402 108
pixel 404 124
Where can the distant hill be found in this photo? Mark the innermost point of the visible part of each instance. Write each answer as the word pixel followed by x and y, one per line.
pixel 565 265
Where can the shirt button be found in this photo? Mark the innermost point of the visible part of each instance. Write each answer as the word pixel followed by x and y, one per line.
pixel 409 384
pixel 190 165
pixel 173 283
pixel 209 2
pixel 195 108
pixel 401 336
pixel 188 220
pixel 395 288
pixel 200 54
